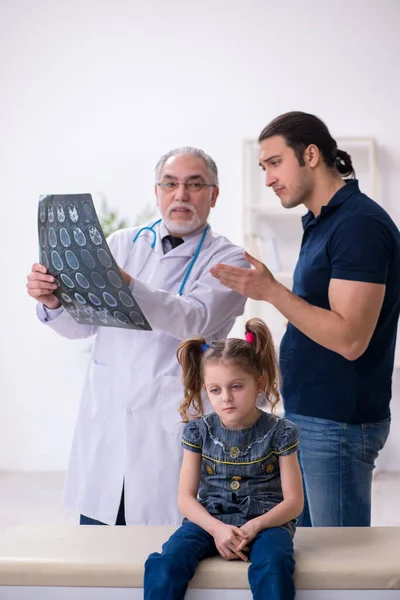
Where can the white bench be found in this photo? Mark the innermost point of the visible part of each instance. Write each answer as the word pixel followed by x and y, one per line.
pixel 87 563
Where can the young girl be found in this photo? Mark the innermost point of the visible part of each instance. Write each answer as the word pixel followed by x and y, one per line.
pixel 240 487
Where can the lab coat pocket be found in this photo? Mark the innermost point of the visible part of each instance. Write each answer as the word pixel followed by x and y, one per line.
pixel 171 397
pixel 97 393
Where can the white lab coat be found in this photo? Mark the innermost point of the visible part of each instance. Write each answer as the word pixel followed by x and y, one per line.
pixel 128 427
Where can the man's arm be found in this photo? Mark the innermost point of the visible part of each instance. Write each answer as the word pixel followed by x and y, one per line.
pixel 346 329
pixel 360 253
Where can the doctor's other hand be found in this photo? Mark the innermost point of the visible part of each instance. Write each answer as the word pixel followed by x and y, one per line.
pixel 125 276
pixel 41 285
pixel 257 283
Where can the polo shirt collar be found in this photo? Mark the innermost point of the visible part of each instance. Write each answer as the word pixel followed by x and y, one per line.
pixel 337 199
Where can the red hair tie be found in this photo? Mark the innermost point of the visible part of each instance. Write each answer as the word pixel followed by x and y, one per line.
pixel 250 337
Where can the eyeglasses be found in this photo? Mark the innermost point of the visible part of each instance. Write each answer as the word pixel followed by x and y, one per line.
pixel 190 186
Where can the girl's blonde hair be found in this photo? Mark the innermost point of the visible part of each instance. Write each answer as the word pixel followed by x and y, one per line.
pixel 256 356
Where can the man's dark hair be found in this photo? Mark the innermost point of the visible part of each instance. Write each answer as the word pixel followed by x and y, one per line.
pixel 302 129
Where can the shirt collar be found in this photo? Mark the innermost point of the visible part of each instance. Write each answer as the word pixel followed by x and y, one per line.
pixel 337 199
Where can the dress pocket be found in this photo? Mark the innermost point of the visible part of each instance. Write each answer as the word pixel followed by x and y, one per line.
pixel 208 467
pixel 270 467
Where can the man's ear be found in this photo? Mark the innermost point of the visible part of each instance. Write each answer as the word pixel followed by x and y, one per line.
pixel 312 155
pixel 214 196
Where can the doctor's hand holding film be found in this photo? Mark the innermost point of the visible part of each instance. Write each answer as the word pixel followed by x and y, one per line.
pixel 41 285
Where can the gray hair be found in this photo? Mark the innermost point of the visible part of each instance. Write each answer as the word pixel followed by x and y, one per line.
pixel 189 151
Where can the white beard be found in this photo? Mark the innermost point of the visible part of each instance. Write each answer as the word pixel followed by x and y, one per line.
pixel 183 227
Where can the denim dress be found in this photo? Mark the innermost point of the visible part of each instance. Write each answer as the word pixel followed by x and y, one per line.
pixel 240 478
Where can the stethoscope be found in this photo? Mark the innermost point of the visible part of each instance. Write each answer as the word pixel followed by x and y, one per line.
pixel 195 256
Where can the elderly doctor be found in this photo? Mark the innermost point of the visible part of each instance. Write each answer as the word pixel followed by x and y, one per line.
pixel 126 453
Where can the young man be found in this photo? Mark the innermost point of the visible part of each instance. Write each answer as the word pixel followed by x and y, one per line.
pixel 337 354
pixel 126 447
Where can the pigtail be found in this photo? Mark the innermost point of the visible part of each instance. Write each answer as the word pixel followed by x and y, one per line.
pixel 258 333
pixel 190 357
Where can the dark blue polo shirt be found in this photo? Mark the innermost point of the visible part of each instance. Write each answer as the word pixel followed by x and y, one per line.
pixel 354 239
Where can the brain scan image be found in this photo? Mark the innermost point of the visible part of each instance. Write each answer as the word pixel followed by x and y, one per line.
pixel 67 281
pixel 44 259
pixel 50 213
pixel 125 299
pixel 52 237
pixel 56 260
pixel 79 236
pixel 114 279
pixel 104 258
pixel 64 237
pixel 60 213
pixel 121 317
pixel 111 301
pixel 80 298
pixel 73 248
pixel 73 213
pixel 88 212
pixel 104 315
pixel 88 259
pixel 94 299
pixel 98 280
pixel 42 212
pixel 71 259
pixel 82 281
pixel 136 318
pixel 95 235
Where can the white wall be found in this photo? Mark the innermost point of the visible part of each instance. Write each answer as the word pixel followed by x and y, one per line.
pixel 94 91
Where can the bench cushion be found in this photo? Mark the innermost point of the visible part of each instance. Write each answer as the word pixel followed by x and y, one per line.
pixel 327 558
